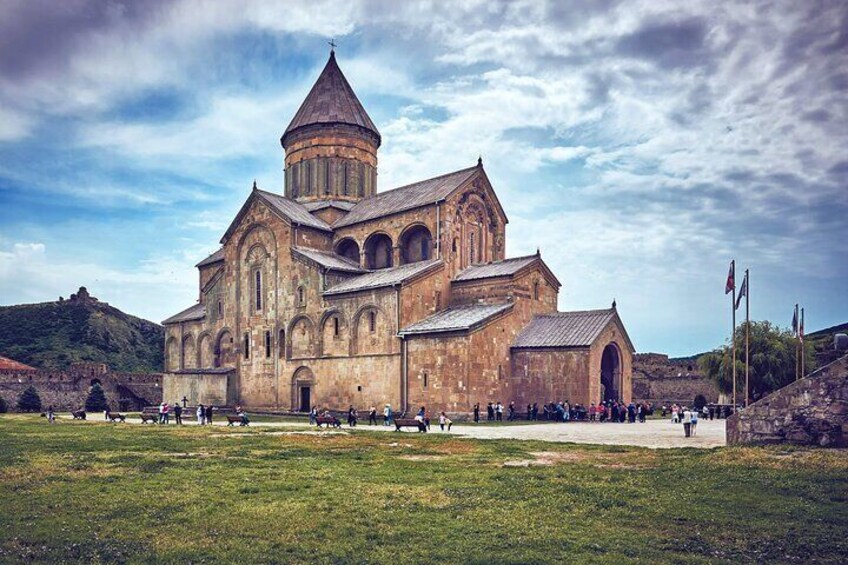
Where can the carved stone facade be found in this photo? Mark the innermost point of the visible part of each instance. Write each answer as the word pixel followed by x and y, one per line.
pixel 337 295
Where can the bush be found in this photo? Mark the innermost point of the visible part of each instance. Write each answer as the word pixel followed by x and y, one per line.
pixel 96 401
pixel 29 401
pixel 700 401
pixel 3 406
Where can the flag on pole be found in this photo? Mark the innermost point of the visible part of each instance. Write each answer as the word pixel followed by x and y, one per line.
pixel 743 291
pixel 730 285
pixel 795 322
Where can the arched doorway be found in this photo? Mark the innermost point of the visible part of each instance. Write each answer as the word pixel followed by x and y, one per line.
pixel 348 248
pixel 303 389
pixel 416 244
pixel 610 373
pixel 378 251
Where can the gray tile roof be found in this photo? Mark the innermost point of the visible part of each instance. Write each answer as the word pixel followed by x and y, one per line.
pixel 331 101
pixel 406 197
pixel 329 260
pixel 507 267
pixel 456 318
pixel 316 205
pixel 214 258
pixel 383 277
pixel 292 210
pixel 564 329
pixel 196 312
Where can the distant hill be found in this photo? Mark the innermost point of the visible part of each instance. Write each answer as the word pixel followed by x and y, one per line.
pixel 53 335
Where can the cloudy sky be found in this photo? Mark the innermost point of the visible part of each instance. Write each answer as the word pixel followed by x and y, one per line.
pixel 640 145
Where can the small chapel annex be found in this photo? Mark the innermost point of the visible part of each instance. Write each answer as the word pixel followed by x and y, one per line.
pixel 334 294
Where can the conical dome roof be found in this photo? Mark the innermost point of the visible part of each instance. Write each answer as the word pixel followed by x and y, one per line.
pixel 331 101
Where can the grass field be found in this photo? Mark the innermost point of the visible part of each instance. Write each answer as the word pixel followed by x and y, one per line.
pixel 99 493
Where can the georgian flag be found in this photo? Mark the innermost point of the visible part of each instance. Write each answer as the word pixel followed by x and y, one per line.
pixel 743 291
pixel 730 285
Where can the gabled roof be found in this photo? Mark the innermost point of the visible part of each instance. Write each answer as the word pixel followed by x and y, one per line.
pixel 316 205
pixel 384 277
pixel 331 101
pixel 214 258
pixel 568 329
pixel 505 268
pixel 456 318
pixel 196 312
pixel 406 197
pixel 286 208
pixel 7 364
pixel 329 261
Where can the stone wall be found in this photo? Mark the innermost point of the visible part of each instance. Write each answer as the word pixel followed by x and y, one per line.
pixel 67 390
pixel 662 381
pixel 811 411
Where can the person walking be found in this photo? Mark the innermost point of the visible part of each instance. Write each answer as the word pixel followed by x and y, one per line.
pixel 201 414
pixel 372 416
pixel 161 413
pixel 166 413
pixel 687 422
pixel 693 422
pixel 535 411
pixel 511 411
pixel 351 416
pixel 444 421
pixel 490 412
pixel 209 414
pixel 178 414
pixel 387 415
pixel 499 411
pixel 51 415
pixel 476 412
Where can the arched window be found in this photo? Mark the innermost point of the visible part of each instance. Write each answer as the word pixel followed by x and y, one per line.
pixel 326 176
pixel 425 380
pixel 267 344
pixel 378 251
pixel 301 296
pixel 344 178
pixel 220 309
pixel 416 244
pixel 336 326
pixel 536 290
pixel 281 345
pixel 257 276
pixel 372 321
pixel 246 345
pixel 471 249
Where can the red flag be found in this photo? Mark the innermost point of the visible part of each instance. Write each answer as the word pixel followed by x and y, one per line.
pixel 730 285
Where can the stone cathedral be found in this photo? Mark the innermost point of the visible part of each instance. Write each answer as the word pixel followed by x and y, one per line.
pixel 335 293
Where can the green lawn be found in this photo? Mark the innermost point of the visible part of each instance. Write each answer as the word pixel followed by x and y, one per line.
pixel 100 493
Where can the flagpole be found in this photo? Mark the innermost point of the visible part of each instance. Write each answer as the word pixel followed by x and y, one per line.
pixel 747 332
pixel 733 341
pixel 801 342
pixel 797 348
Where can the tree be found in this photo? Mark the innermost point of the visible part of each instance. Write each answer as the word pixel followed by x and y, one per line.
pixel 3 406
pixel 699 402
pixel 29 401
pixel 96 400
pixel 773 357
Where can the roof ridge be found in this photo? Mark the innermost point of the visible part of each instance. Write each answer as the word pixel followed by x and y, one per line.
pixel 418 182
pixel 596 311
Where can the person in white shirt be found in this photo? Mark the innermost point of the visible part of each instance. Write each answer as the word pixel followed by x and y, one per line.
pixel 693 421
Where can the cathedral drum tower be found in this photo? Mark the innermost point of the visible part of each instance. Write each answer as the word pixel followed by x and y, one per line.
pixel 331 144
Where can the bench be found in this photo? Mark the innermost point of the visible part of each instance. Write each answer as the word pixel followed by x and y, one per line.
pixel 409 423
pixel 78 414
pixel 235 419
pixel 150 414
pixel 328 421
pixel 115 416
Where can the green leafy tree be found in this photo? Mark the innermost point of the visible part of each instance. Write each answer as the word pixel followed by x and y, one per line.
pixel 29 401
pixel 773 355
pixel 3 406
pixel 96 400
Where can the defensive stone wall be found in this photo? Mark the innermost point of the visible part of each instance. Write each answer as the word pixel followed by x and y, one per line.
pixel 663 381
pixel 67 390
pixel 811 411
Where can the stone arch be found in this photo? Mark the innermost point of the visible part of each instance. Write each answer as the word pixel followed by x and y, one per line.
pixel 301 337
pixel 257 249
pixel 189 352
pixel 474 225
pixel 416 244
pixel 303 389
pixel 611 365
pixel 378 251
pixel 334 334
pixel 172 354
pixel 348 247
pixel 205 351
pixel 364 339
pixel 225 355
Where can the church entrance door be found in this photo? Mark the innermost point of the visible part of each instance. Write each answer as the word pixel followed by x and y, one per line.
pixel 305 400
pixel 610 373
